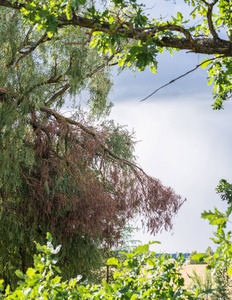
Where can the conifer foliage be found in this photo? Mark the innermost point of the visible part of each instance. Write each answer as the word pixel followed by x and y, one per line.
pixel 68 175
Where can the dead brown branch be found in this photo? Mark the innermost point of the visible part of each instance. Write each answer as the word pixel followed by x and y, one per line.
pixel 93 134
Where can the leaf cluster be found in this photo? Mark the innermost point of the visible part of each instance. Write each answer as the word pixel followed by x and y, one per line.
pixel 222 257
pixel 143 275
pixel 123 29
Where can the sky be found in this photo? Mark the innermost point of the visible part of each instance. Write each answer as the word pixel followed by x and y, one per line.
pixel 183 142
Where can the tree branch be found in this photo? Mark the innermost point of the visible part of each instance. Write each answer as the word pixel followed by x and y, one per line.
pixel 13 4
pixel 209 18
pixel 181 76
pixel 198 45
pixel 29 50
pixel 65 87
pixel 61 92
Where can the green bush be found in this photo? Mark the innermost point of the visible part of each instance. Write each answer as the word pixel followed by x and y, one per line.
pixel 41 282
pixel 142 275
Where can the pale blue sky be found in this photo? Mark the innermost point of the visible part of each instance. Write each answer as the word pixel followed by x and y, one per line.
pixel 184 142
pixel 188 147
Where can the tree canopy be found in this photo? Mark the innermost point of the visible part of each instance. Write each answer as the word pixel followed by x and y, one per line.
pixel 74 174
pixel 124 30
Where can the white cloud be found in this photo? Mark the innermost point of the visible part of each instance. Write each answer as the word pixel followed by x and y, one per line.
pixel 186 145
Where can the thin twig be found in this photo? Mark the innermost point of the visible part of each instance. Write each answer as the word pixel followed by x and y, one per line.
pixel 183 75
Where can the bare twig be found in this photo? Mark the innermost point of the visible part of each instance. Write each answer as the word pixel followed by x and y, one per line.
pixel 183 75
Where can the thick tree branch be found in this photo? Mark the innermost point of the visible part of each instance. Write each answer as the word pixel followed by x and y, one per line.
pixel 197 45
pixel 203 45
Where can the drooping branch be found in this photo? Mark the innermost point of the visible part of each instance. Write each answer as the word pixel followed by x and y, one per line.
pixel 93 134
pixel 103 190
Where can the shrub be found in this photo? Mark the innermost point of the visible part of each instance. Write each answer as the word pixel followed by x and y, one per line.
pixel 142 275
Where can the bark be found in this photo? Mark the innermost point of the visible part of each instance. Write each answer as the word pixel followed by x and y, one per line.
pixel 203 45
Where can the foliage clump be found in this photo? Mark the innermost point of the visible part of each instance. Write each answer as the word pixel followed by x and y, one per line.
pixel 73 175
pixel 143 275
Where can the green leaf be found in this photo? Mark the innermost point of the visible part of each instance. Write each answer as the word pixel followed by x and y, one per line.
pixel 218 221
pixel 179 17
pixel 1 284
pixel 7 290
pixel 142 249
pixel 49 237
pixel 229 271
pixel 20 274
pixel 69 13
pixel 206 63
pixel 112 261
pixel 199 257
pixel 153 69
pixel 210 80
pixel 30 272
pixel 50 34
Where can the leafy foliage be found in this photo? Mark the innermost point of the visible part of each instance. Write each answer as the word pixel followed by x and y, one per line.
pixel 75 176
pixel 193 261
pixel 222 289
pixel 225 190
pixel 222 257
pixel 124 30
pixel 141 276
pixel 40 282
